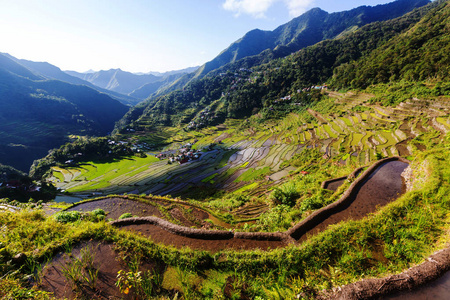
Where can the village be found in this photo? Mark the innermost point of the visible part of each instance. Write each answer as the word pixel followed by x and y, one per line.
pixel 184 154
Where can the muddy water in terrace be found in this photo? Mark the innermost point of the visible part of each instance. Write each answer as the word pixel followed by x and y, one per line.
pixel 436 290
pixel 335 184
pixel 383 186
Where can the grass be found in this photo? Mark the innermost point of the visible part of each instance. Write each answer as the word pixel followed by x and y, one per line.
pixel 337 256
pixel 95 175
pixel 253 174
pixel 389 241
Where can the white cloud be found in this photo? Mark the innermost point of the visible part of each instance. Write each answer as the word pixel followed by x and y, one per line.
pixel 258 8
pixel 255 8
pixel 297 7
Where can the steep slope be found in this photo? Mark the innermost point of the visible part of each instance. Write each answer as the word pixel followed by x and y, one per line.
pixel 139 86
pixel 418 54
pixel 37 115
pixel 148 89
pixel 246 91
pixel 305 30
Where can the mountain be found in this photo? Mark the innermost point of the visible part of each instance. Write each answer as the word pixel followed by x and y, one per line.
pixel 139 85
pixel 242 92
pixel 308 29
pixel 175 72
pixel 48 71
pixel 117 80
pixel 148 89
pixel 38 114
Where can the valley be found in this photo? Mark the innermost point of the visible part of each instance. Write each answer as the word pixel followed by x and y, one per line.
pixel 307 162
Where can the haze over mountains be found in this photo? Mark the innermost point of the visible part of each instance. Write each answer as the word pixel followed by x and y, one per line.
pixel 139 86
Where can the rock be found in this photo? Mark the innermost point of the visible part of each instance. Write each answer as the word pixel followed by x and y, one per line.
pixel 19 259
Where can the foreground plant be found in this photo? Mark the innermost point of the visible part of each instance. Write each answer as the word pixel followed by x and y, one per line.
pixel 81 272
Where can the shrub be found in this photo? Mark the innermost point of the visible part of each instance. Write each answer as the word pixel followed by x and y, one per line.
pixel 98 212
pixel 287 194
pixel 68 216
pixel 125 215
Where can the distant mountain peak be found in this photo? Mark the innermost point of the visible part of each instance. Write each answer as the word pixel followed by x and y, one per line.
pixel 305 30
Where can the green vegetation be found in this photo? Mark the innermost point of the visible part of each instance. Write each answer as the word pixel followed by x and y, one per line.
pixel 253 174
pixel 262 174
pixel 39 114
pixel 400 233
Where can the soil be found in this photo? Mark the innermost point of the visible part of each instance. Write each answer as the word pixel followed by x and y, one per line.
pixel 105 261
pixel 160 235
pixel 402 148
pixel 380 188
pixel 177 214
pixel 115 207
pixel 436 290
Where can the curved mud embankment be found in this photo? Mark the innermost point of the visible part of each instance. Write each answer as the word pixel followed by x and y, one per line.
pixel 319 220
pixel 335 183
pixel 377 186
pixel 434 267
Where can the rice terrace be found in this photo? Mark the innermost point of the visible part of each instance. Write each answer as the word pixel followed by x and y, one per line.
pixel 307 162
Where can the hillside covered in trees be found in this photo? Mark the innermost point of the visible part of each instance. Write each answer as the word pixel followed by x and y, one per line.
pixel 246 91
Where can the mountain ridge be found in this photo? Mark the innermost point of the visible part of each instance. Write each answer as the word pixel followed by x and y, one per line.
pixel 39 114
pixel 296 34
pixel 45 70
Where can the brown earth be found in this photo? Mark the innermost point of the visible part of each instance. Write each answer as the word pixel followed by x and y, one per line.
pixel 381 187
pixel 160 235
pixel 106 261
pixel 335 184
pixel 115 207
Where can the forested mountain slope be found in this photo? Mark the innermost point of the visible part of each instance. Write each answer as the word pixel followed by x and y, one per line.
pixel 44 70
pixel 37 115
pixel 308 29
pixel 247 91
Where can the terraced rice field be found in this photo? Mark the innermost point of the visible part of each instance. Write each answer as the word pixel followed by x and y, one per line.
pixel 356 137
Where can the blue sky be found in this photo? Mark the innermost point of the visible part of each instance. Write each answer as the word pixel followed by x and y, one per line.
pixel 141 35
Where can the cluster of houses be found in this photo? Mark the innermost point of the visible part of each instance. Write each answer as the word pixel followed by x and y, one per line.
pixel 139 147
pixel 203 118
pixel 299 91
pixel 314 87
pixel 19 185
pixel 183 155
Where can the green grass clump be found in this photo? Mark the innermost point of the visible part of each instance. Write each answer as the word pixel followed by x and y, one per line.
pixel 126 215
pixel 287 194
pixel 68 216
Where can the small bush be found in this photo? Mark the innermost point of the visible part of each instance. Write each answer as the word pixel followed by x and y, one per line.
pixel 98 212
pixel 287 194
pixel 68 216
pixel 125 215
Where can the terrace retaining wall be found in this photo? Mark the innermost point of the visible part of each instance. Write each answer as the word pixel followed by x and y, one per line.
pixel 289 236
pixel 346 199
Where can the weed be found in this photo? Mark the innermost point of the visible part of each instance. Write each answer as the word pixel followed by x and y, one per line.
pixel 81 272
pixel 125 215
pixel 67 216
